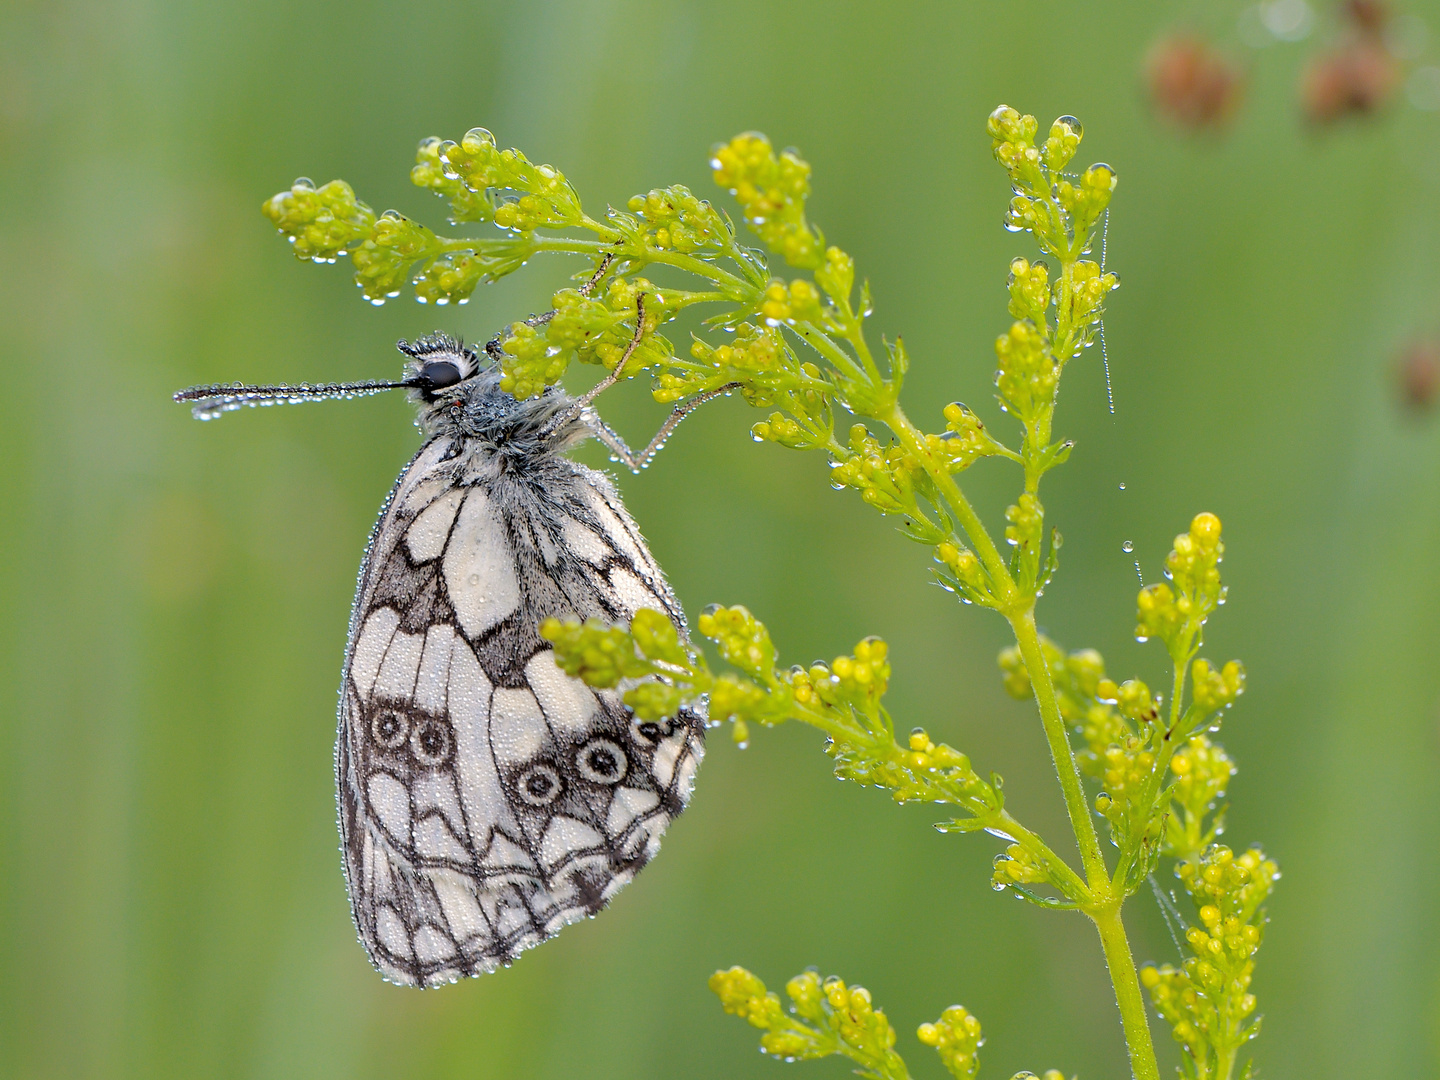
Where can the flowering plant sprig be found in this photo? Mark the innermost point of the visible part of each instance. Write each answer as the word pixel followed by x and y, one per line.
pixel 798 348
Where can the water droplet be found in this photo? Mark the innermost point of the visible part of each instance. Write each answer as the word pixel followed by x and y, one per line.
pixel 1122 485
pixel 1129 545
pixel 1072 124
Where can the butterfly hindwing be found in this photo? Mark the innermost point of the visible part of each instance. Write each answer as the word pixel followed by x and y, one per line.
pixel 486 798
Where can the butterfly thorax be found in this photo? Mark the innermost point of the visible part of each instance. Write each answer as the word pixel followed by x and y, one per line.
pixel 485 421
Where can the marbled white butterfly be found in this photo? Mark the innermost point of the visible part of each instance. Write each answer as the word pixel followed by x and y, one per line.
pixel 487 799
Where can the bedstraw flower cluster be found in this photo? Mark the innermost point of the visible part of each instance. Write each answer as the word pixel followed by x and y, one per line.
pixel 1207 999
pixel 824 1017
pixel 797 347
pixel 771 191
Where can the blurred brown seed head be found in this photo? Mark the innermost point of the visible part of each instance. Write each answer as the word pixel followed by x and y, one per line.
pixel 1366 16
pixel 1357 77
pixel 1191 82
pixel 1418 375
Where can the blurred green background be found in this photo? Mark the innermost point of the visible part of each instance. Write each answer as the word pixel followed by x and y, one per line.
pixel 175 595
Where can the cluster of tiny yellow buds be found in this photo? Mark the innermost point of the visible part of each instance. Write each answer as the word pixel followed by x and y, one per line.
pixel 382 260
pixel 956 1038
pixel 884 476
pixel 1202 773
pixel 964 441
pixel 1213 690
pixel 1025 523
pixel 530 363
pixel 1062 142
pixel 451 277
pixel 578 320
pixel 1087 292
pixel 837 276
pixel 546 199
pixel 1087 201
pixel 1013 138
pixel 925 753
pixel 966 566
pixel 850 680
pixel 1086 668
pixel 322 223
pixel 1159 614
pixel 781 302
pixel 1033 215
pixel 431 172
pixel 1014 675
pixel 734 699
pixel 1207 1000
pixel 598 654
pixel 1132 698
pixel 742 994
pixel 1236 885
pixel 1193 564
pixel 1029 290
pixel 657 639
pixel 867 672
pixel 1017 866
pixel 860 1026
pixel 771 191
pixel 679 220
pixel 1027 375
pixel 741 638
pixel 654 701
pixel 1102 727
pixel 784 430
pixel 757 358
pixel 653 349
pixel 1125 769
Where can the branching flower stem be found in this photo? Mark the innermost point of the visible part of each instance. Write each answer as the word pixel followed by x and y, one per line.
pixel 1019 609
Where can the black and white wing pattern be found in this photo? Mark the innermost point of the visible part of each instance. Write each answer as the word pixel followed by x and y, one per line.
pixel 486 799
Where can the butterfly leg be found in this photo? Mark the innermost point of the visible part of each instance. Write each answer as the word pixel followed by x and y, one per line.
pixel 635 462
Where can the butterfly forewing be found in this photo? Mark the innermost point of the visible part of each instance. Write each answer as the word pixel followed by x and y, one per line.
pixel 487 799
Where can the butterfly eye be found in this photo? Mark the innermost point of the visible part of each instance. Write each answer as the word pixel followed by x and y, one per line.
pixel 438 374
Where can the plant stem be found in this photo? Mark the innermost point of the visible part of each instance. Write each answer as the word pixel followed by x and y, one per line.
pixel 1066 768
pixel 1127 992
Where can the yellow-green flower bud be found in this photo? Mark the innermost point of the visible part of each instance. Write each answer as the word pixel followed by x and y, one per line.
pixel 1029 290
pixel 1027 374
pixel 1214 690
pixel 957 1039
pixel 321 223
pixel 1026 523
pixel 1062 142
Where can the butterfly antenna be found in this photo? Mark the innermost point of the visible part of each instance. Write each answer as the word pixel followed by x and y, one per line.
pixel 208 402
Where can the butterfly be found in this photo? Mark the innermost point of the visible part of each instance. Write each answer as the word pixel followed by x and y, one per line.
pixel 487 799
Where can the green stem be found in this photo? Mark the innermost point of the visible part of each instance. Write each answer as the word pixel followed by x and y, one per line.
pixel 1063 757
pixel 733 287
pixel 1128 994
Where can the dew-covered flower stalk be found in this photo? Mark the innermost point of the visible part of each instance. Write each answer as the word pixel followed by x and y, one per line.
pixel 787 329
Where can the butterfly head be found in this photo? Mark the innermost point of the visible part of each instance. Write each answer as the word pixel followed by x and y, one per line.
pixel 438 364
